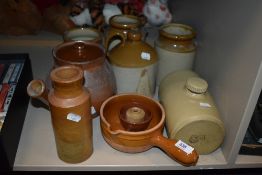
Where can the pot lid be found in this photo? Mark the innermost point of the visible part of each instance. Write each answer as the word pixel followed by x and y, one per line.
pixel 196 85
pixel 78 51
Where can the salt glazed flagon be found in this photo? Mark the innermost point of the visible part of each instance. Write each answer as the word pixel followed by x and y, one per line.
pixel 134 63
pixel 70 108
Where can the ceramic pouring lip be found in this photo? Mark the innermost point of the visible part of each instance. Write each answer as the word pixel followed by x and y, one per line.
pixel 124 132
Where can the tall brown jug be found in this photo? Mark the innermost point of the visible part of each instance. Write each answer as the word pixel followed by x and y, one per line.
pixel 70 105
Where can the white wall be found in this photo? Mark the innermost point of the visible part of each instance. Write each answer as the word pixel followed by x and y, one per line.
pixel 229 36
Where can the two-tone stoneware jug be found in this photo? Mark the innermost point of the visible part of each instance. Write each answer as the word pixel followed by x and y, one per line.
pixel 134 63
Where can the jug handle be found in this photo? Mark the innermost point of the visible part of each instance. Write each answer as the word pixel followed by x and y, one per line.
pixel 176 150
pixel 110 38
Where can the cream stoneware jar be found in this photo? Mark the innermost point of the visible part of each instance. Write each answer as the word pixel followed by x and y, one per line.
pixel 191 113
pixel 175 48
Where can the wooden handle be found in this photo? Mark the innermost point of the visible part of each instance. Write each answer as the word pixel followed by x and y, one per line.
pixel 177 150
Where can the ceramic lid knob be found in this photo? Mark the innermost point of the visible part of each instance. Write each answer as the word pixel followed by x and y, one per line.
pixel 196 85
pixel 135 115
pixel 134 35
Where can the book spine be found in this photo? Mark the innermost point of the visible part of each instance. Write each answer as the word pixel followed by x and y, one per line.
pixel 8 73
pixel 3 94
pixel 15 74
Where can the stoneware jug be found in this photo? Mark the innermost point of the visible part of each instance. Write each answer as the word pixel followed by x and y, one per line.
pixel 175 48
pixel 118 25
pixel 90 56
pixel 134 63
pixel 69 104
pixel 191 113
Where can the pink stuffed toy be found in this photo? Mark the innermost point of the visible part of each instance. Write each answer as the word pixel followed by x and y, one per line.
pixel 157 12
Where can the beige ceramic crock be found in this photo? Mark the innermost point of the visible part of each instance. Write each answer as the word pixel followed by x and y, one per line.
pixel 191 114
pixel 175 48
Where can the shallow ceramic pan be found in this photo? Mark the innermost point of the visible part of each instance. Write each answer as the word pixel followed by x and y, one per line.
pixel 133 142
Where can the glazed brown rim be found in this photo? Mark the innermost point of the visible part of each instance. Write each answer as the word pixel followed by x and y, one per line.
pixel 59 46
pixel 82 29
pixel 113 23
pixel 120 131
pixel 162 32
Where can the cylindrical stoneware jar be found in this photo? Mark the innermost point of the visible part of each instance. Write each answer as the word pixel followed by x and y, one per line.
pixel 175 48
pixel 69 104
pixel 134 63
pixel 83 34
pixel 99 77
pixel 191 114
pixel 120 25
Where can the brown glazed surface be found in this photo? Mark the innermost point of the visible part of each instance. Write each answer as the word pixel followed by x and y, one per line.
pixel 133 142
pixel 99 78
pixel 175 41
pixel 69 104
pixel 128 53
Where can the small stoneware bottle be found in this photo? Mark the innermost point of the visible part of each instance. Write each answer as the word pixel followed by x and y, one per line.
pixel 120 25
pixel 175 48
pixel 134 63
pixel 69 104
pixel 191 113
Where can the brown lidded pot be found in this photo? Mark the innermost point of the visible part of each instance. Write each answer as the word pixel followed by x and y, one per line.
pixel 90 56
pixel 138 141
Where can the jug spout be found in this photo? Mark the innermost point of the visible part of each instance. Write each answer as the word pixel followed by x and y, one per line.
pixel 37 89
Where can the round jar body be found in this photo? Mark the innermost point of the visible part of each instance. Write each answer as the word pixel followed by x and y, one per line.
pixel 98 74
pixel 190 117
pixel 70 108
pixel 175 49
pixel 140 80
